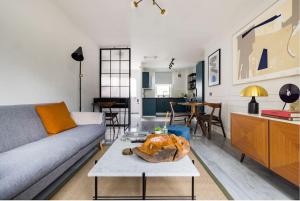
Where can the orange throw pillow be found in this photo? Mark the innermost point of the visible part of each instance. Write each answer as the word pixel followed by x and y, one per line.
pixel 55 117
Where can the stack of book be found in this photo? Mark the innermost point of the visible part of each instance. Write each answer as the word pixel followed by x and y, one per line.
pixel 282 114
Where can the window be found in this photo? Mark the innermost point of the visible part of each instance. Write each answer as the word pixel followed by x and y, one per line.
pixel 163 90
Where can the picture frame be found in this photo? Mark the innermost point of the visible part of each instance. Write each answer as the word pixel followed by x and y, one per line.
pixel 214 68
pixel 266 48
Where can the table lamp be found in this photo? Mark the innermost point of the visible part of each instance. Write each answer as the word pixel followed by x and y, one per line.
pixel 253 91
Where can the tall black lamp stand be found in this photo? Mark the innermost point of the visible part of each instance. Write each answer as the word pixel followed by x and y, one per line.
pixel 78 56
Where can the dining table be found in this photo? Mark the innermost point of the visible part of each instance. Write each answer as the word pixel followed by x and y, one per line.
pixel 193 106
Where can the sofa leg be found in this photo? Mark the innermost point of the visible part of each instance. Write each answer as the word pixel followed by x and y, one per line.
pixel 101 146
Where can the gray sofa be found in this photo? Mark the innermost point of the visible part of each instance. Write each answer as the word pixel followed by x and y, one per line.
pixel 33 165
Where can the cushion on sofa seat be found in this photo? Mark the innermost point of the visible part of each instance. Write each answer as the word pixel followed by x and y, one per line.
pixel 19 125
pixel 22 167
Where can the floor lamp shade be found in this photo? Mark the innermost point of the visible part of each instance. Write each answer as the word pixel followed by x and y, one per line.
pixel 78 56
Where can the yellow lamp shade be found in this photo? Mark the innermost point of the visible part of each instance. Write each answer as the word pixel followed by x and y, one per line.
pixel 254 90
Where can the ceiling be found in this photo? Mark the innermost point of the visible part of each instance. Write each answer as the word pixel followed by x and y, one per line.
pixel 182 32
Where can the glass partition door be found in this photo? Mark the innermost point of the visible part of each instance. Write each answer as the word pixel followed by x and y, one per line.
pixel 115 74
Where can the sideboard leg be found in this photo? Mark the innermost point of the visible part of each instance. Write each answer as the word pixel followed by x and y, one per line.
pixel 242 157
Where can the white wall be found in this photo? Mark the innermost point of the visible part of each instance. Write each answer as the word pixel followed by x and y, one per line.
pixel 227 93
pixel 136 104
pixel 36 41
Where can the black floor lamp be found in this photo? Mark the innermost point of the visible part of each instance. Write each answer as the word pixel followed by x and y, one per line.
pixel 78 56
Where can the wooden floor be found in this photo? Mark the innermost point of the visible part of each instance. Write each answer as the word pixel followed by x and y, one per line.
pixel 248 180
pixel 80 187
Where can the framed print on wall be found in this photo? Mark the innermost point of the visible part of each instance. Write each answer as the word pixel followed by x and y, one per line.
pixel 214 68
pixel 268 47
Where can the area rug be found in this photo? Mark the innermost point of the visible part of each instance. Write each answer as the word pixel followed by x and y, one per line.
pixel 81 187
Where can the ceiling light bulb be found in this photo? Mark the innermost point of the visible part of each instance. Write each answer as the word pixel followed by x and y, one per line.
pixel 162 11
pixel 136 4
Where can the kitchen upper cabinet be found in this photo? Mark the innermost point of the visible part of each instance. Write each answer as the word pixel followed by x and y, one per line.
pixel 200 84
pixel 146 80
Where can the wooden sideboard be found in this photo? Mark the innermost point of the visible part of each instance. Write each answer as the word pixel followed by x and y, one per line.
pixel 272 142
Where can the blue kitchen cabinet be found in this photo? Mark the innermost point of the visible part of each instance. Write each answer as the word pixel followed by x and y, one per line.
pixel 200 84
pixel 149 106
pixel 163 105
pixel 146 80
pixel 180 108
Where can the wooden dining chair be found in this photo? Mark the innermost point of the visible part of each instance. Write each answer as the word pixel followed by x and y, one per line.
pixel 206 121
pixel 110 116
pixel 177 116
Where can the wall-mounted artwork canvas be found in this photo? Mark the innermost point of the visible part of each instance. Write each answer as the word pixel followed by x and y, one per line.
pixel 268 47
pixel 214 66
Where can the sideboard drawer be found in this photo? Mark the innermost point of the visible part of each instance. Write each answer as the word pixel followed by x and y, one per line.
pixel 284 150
pixel 250 136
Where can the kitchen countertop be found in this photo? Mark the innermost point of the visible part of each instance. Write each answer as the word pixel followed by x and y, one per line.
pixel 163 97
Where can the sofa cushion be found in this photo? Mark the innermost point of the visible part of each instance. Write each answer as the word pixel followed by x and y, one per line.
pixel 19 125
pixel 55 117
pixel 22 167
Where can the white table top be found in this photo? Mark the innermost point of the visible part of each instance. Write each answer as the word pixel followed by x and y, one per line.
pixel 114 164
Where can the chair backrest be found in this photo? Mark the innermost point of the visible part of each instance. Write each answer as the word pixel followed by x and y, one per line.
pixel 215 106
pixel 172 105
pixel 106 104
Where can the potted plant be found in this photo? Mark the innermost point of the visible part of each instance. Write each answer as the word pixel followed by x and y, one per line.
pixel 157 130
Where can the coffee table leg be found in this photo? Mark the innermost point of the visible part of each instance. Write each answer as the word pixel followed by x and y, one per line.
pixel 193 185
pixel 96 186
pixel 144 185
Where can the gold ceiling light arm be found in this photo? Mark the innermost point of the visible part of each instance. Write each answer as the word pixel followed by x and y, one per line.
pixel 136 3
pixel 162 11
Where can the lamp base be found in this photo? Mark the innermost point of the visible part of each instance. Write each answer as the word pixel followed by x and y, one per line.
pixel 253 106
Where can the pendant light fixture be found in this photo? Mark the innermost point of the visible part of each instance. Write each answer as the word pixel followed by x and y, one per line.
pixel 171 63
pixel 162 11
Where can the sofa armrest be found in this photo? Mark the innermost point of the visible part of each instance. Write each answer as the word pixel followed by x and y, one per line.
pixel 87 118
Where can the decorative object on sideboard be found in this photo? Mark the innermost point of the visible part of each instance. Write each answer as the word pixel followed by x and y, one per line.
pixel 162 11
pixel 253 91
pixel 257 52
pixel 214 68
pixel 281 114
pixel 289 93
pixel 78 56
pixel 295 106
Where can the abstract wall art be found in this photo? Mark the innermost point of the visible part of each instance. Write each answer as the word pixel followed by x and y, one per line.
pixel 268 47
pixel 214 67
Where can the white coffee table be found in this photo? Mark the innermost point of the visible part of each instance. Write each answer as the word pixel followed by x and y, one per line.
pixel 114 164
